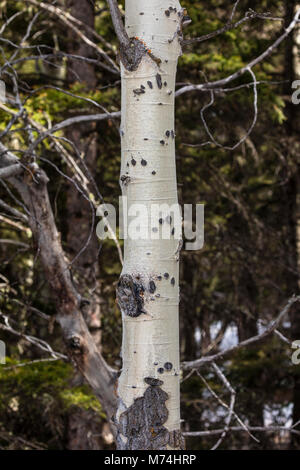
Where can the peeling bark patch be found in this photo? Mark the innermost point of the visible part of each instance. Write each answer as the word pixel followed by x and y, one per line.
pixel 143 422
pixel 159 81
pixel 130 296
pixel 168 366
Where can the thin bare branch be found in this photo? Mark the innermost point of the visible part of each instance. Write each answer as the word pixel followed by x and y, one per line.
pixel 257 60
pixel 254 339
pixel 118 23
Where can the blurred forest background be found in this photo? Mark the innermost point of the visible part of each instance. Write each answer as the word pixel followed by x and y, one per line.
pixel 240 280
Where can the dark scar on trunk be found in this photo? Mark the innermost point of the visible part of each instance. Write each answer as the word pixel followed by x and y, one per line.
pixel 143 422
pixel 130 296
pixel 132 55
pixel 153 382
pixel 159 81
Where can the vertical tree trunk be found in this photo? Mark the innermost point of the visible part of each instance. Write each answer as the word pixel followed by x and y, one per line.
pixel 84 138
pixel 148 415
pixel 81 424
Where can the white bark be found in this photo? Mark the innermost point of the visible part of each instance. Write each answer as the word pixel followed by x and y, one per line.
pixel 150 273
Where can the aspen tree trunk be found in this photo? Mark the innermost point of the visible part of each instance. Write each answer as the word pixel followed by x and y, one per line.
pixel 148 415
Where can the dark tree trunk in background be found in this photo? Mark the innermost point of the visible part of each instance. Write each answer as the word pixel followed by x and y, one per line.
pixel 86 269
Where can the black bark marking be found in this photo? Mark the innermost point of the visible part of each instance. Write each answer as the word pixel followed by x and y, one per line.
pixel 153 172
pixel 169 219
pixel 168 134
pixel 173 281
pixel 173 134
pixel 125 180
pixel 133 162
pixel 143 162
pixel 167 13
pixel 162 142
pixel 153 382
pixel 173 231
pixel 132 55
pixel 130 296
pixel 143 422
pixel 159 81
pixel 166 276
pixel 159 278
pixel 150 84
pixel 161 370
pixel 139 91
pixel 74 343
pixel 168 366
pixel 152 287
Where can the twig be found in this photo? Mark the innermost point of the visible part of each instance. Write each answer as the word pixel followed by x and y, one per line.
pixel 254 339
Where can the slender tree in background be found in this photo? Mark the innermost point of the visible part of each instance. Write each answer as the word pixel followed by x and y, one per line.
pixel 148 415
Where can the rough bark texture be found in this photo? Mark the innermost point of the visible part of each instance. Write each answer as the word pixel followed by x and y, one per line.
pixel 148 415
